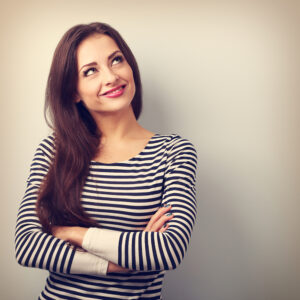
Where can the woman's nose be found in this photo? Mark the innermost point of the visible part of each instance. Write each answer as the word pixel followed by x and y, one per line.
pixel 109 76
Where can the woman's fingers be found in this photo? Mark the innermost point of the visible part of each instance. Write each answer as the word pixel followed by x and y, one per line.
pixel 113 268
pixel 159 219
pixel 161 222
pixel 161 211
pixel 164 228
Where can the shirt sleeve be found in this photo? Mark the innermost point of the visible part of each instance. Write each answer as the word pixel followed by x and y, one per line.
pixel 33 247
pixel 154 250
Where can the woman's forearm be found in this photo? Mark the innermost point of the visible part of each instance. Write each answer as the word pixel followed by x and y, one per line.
pixel 75 235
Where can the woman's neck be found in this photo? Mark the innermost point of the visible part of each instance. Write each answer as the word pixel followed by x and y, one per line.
pixel 118 126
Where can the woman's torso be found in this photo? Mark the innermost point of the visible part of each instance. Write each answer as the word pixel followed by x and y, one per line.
pixel 120 196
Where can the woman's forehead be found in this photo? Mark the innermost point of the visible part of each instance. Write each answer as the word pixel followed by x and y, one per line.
pixel 96 46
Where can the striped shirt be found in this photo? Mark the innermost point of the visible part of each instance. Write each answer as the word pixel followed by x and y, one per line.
pixel 122 197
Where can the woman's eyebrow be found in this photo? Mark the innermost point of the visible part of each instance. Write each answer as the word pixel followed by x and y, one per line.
pixel 94 63
pixel 87 65
pixel 115 52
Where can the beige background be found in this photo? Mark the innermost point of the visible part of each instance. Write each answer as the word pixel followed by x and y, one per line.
pixel 223 74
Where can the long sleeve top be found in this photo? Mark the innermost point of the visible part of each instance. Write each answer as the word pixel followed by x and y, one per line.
pixel 121 197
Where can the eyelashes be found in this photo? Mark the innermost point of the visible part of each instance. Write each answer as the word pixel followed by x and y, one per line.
pixel 116 60
pixel 89 72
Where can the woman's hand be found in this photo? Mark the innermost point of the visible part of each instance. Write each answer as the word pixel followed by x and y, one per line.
pixel 158 222
pixel 72 234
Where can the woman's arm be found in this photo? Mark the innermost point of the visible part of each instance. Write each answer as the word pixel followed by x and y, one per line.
pixel 75 234
pixel 33 247
pixel 146 250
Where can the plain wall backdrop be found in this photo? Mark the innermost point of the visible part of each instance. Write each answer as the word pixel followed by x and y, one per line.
pixel 223 74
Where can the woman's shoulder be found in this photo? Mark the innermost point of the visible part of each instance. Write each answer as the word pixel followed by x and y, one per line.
pixel 179 150
pixel 47 145
pixel 174 141
pixel 176 145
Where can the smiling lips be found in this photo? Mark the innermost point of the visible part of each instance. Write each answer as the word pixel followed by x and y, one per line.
pixel 115 92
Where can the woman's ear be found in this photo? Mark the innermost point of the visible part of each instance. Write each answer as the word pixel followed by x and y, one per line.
pixel 77 98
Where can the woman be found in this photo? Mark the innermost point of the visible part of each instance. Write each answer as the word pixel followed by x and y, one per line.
pixel 109 205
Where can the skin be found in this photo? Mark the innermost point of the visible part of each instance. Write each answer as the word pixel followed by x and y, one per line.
pixel 102 67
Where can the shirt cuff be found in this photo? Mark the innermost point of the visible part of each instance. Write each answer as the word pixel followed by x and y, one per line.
pixel 102 242
pixel 87 263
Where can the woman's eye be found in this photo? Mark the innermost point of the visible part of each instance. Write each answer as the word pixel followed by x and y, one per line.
pixel 89 71
pixel 117 60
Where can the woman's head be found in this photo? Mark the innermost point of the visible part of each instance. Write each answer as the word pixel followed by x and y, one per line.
pixel 63 78
pixel 105 79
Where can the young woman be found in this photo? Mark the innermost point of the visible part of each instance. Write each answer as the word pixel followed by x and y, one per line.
pixel 109 205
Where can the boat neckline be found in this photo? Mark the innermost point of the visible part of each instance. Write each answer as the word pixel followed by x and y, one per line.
pixel 130 159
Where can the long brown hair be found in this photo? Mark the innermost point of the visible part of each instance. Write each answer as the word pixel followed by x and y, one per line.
pixel 76 135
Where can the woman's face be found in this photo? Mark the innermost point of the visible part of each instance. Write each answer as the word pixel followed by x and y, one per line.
pixel 105 79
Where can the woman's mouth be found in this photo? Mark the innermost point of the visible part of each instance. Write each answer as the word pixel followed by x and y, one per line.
pixel 115 92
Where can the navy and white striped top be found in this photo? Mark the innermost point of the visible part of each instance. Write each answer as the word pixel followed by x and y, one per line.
pixel 122 197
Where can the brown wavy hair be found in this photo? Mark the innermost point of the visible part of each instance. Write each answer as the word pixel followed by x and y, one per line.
pixel 76 135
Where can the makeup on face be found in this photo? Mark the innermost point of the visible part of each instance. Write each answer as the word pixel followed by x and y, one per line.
pixel 115 92
pixel 104 75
